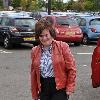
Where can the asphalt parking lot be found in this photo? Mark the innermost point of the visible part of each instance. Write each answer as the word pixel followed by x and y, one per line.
pixel 15 73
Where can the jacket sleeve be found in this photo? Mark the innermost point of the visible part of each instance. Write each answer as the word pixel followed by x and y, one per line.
pixel 34 85
pixel 70 68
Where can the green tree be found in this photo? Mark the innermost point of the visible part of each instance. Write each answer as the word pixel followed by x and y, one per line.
pixel 34 5
pixel 23 4
pixel 57 5
pixel 29 5
pixel 93 5
pixel 16 3
pixel 1 4
pixel 41 3
pixel 76 6
pixel 70 5
pixel 96 5
pixel 88 5
pixel 54 5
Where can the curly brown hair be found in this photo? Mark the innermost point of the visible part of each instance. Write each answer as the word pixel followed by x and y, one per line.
pixel 44 24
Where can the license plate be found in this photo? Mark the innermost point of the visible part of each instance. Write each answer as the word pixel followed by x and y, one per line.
pixel 70 33
pixel 29 39
pixel 62 33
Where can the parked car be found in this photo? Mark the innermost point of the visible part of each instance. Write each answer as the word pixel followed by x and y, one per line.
pixel 38 14
pixel 16 29
pixel 95 66
pixel 90 26
pixel 66 28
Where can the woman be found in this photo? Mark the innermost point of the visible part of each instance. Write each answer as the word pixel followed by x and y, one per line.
pixel 53 69
pixel 95 66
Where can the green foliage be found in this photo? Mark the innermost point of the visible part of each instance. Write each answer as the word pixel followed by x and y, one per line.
pixel 24 4
pixel 41 3
pixel 16 3
pixel 88 5
pixel 1 4
pixel 56 5
pixel 31 5
pixel 70 4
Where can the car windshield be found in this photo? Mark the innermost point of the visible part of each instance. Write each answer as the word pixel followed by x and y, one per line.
pixel 0 20
pixel 95 21
pixel 65 21
pixel 25 22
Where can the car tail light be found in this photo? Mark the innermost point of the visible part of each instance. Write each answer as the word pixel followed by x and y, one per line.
pixel 78 32
pixel 93 29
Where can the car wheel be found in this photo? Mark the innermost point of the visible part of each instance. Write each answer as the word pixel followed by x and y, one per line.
pixel 77 43
pixel 7 43
pixel 85 40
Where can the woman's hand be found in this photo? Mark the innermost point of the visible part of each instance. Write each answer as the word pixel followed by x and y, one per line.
pixel 35 98
pixel 68 93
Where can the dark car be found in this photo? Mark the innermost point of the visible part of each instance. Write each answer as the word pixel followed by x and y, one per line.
pixel 67 29
pixel 16 29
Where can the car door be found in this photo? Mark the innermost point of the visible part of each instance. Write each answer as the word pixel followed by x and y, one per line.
pixel 95 27
pixel 83 25
pixel 0 29
pixel 3 28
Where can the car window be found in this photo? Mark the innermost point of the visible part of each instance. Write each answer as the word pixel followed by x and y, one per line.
pixel 0 20
pixel 5 21
pixel 8 22
pixel 50 20
pixel 78 19
pixel 95 21
pixel 11 22
pixel 65 21
pixel 36 15
pixel 82 22
pixel 25 22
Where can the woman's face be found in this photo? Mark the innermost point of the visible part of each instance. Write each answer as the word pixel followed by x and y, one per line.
pixel 45 37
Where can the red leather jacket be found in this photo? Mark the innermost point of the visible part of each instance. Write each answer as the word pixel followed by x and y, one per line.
pixel 63 64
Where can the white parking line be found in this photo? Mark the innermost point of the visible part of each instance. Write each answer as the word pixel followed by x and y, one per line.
pixel 84 65
pixel 85 53
pixel 88 46
pixel 2 51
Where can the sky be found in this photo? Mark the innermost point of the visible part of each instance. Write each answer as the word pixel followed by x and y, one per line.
pixel 67 0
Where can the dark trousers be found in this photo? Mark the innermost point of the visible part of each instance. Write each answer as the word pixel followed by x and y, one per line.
pixel 49 91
